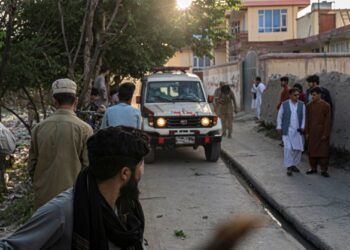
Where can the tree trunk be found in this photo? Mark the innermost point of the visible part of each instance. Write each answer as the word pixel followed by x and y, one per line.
pixel 30 99
pixel 88 66
pixel 42 102
pixel 7 45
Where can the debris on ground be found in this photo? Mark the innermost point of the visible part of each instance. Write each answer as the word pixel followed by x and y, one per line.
pixel 180 234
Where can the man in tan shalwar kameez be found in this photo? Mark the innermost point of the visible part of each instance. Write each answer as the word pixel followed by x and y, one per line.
pixel 318 129
pixel 227 105
pixel 58 146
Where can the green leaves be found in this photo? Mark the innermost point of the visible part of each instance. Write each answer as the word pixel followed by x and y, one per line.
pixel 144 34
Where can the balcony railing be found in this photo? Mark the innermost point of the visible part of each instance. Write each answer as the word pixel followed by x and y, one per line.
pixel 240 37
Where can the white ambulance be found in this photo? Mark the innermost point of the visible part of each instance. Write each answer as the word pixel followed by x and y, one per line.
pixel 177 113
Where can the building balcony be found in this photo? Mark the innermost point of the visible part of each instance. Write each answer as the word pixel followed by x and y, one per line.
pixel 239 40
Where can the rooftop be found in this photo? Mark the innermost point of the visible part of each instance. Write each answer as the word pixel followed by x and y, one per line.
pixel 259 3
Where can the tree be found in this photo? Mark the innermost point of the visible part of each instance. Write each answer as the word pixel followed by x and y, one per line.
pixel 131 36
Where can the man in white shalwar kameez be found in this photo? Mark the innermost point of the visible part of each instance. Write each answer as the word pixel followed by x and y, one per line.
pixel 259 89
pixel 291 123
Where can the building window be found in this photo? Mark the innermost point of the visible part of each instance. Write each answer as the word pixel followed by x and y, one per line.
pixel 201 62
pixel 272 20
pixel 340 47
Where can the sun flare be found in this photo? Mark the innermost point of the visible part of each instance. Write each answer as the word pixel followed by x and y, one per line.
pixel 183 4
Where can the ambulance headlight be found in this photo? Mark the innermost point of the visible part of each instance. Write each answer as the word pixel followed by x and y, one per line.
pixel 205 121
pixel 161 122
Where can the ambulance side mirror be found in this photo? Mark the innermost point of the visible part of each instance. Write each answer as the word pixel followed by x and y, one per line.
pixel 210 99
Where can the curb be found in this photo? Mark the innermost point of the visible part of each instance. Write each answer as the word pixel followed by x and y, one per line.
pixel 302 229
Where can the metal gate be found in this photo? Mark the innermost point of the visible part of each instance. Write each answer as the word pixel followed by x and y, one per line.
pixel 249 73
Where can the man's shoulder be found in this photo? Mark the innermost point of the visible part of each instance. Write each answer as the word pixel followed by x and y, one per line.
pixel 325 104
pixel 61 204
pixel 286 102
pixel 122 107
pixel 67 118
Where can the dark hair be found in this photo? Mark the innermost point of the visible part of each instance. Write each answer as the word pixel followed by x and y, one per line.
pixel 316 90
pixel 284 79
pixel 104 69
pixel 293 90
pixel 225 89
pixel 313 78
pixel 298 86
pixel 64 98
pixel 113 148
pixel 126 91
pixel 94 92
pixel 258 78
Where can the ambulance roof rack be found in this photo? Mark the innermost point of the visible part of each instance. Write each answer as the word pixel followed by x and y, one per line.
pixel 173 70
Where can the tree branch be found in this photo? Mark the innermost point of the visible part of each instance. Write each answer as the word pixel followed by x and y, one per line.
pixel 26 92
pixel 80 38
pixel 115 12
pixel 64 32
pixel 18 116
pixel 7 45
pixel 118 35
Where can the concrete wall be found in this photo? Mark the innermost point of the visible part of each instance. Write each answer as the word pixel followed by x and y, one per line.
pixel 303 64
pixel 334 72
pixel 230 73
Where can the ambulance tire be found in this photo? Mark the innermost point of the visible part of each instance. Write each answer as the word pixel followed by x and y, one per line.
pixel 212 151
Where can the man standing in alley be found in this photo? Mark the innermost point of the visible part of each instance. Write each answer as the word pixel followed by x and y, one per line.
pixel 100 84
pixel 123 114
pixel 227 105
pixel 318 130
pixel 259 88
pixel 284 95
pixel 291 123
pixel 314 81
pixel 217 93
pixel 58 145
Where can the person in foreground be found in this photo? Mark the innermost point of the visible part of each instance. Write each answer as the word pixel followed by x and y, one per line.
pixel 291 124
pixel 318 131
pixel 102 210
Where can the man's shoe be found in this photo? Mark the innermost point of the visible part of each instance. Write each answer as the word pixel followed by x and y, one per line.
pixel 295 169
pixel 325 174
pixel 311 171
pixel 289 171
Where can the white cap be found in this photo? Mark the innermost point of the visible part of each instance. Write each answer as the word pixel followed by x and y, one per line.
pixel 64 86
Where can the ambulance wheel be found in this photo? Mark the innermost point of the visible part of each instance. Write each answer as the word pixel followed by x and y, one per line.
pixel 212 151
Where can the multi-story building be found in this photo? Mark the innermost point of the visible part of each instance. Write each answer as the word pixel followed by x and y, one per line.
pixel 274 26
pixel 263 25
pixel 186 58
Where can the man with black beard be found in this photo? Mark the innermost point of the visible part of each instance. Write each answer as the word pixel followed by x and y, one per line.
pixel 102 211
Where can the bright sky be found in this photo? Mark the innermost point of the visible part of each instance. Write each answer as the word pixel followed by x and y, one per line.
pixel 337 4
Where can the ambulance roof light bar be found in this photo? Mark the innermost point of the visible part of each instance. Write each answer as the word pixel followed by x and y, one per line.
pixel 170 69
